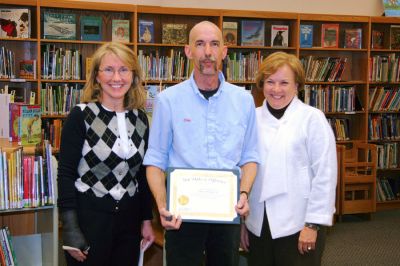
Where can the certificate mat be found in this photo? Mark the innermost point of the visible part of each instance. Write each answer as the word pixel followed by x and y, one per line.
pixel 203 195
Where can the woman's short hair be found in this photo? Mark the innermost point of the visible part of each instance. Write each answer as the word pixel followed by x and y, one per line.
pixel 277 60
pixel 135 97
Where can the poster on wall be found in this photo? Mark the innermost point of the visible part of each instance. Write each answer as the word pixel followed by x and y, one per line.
pixel 392 8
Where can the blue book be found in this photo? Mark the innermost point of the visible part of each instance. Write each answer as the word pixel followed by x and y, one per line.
pixel 146 31
pixel 91 28
pixel 306 36
pixel 253 33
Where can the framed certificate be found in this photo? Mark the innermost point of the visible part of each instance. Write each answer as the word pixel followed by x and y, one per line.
pixel 203 195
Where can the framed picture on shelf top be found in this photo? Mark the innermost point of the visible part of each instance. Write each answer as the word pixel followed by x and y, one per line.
pixel 120 30
pixel 59 26
pixel 146 31
pixel 377 39
pixel 306 36
pixel 394 36
pixel 173 33
pixel 352 38
pixel 330 35
pixel 392 8
pixel 229 31
pixel 279 35
pixel 253 33
pixel 91 28
pixel 15 23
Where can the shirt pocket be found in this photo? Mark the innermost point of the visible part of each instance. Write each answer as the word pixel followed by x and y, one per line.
pixel 231 139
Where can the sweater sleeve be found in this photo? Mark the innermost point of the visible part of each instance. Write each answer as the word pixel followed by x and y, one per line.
pixel 146 201
pixel 72 139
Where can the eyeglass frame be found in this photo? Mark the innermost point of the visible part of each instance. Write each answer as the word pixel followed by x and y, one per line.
pixel 105 70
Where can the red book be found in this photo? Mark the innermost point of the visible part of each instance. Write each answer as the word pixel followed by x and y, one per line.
pixel 330 35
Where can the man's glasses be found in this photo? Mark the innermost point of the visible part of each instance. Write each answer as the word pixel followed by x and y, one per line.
pixel 110 72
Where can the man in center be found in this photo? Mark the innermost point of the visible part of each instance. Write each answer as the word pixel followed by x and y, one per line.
pixel 203 122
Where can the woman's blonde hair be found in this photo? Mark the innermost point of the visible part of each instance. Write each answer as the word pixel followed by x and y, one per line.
pixel 277 60
pixel 135 97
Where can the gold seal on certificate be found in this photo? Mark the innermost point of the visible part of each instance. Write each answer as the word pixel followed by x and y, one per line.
pixel 203 195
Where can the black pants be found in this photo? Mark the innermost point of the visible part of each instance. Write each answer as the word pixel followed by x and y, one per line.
pixel 114 237
pixel 265 251
pixel 218 244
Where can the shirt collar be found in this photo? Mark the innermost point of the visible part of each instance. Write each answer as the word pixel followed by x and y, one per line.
pixel 196 89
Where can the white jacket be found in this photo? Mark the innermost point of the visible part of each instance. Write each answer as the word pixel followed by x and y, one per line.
pixel 296 180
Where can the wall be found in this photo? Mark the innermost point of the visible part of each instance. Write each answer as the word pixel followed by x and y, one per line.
pixel 340 7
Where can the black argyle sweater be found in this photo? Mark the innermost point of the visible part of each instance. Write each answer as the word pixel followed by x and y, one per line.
pixel 92 160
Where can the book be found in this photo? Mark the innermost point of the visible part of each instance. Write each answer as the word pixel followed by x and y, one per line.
pixel 394 36
pixel 88 62
pixel 31 125
pixel 352 38
pixel 229 32
pixel 5 115
pixel 173 33
pixel 330 35
pixel 25 124
pixel 152 91
pixel 27 69
pixel 306 36
pixel 279 35
pixel 253 33
pixel 91 28
pixel 120 30
pixel 59 26
pixel 15 23
pixel 146 31
pixel 377 38
pixel 392 8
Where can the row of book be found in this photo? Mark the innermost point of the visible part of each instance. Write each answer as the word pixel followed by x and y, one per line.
pixel 384 99
pixel 387 189
pixel 329 98
pixel 51 131
pixel 26 181
pixel 7 63
pixel 7 252
pixel 59 99
pixel 384 68
pixel 241 67
pixel 323 68
pixel 61 64
pixel 27 68
pixel 384 127
pixel 340 127
pixel 173 67
pixel 388 155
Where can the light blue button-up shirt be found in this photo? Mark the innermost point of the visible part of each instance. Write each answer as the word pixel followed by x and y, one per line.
pixel 189 131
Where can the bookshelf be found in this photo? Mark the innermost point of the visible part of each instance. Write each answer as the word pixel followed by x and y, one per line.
pixel 351 121
pixel 384 118
pixel 36 225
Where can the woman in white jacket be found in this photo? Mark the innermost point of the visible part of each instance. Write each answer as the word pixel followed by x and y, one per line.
pixel 293 196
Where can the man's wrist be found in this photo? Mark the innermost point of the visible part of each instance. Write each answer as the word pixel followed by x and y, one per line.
pixel 245 193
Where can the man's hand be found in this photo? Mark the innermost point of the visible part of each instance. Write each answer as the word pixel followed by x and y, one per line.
pixel 169 221
pixel 242 207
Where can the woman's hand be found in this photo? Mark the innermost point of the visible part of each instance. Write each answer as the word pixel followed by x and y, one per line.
pixel 307 240
pixel 147 233
pixel 77 254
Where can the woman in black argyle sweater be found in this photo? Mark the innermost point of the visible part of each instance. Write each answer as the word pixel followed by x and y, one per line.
pixel 104 200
